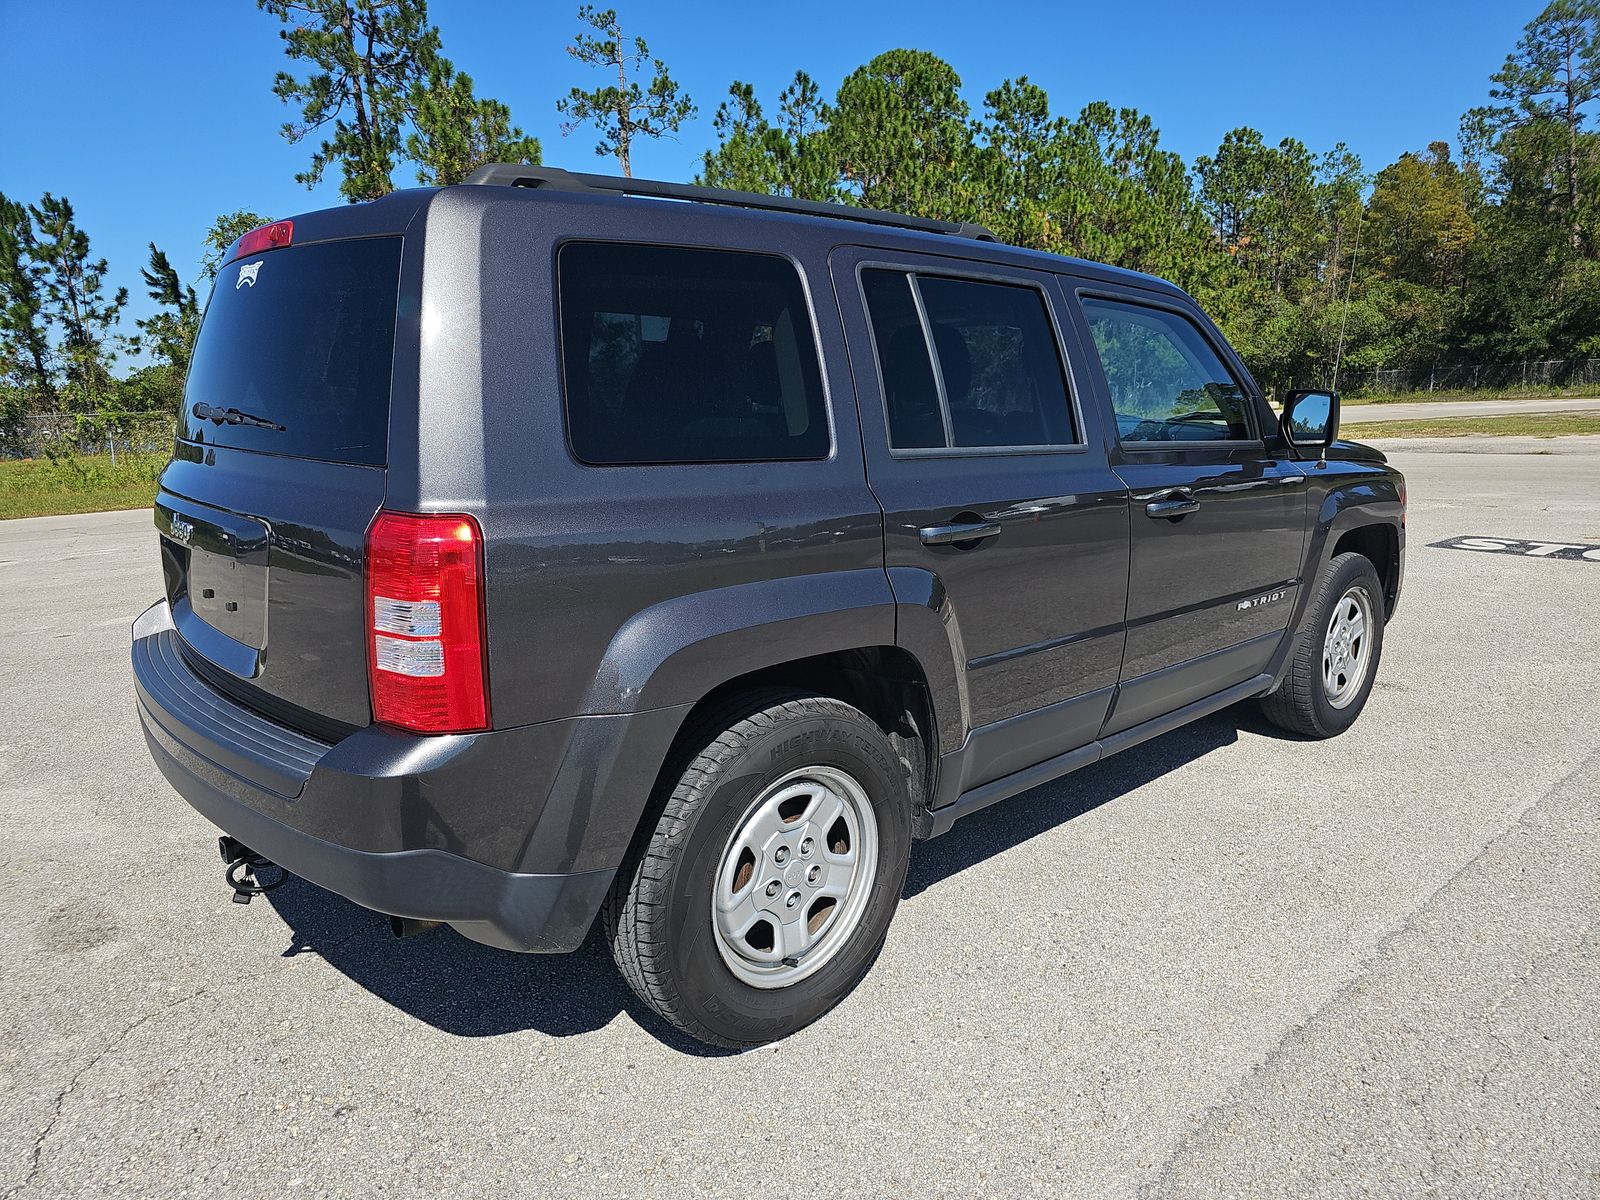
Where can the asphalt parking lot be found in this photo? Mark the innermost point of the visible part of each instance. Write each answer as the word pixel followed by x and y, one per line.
pixel 1225 963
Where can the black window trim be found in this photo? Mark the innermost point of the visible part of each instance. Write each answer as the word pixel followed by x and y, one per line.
pixel 816 344
pixel 910 268
pixel 939 388
pixel 1133 300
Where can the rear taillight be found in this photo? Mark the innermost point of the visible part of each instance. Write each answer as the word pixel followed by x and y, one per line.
pixel 425 636
pixel 267 237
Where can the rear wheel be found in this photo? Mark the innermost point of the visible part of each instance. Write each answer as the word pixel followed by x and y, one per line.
pixel 1336 653
pixel 767 885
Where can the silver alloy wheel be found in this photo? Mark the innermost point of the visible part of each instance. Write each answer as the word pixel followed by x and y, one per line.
pixel 1347 647
pixel 795 877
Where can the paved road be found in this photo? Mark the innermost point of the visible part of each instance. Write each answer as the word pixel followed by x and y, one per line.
pixel 1228 963
pixel 1354 414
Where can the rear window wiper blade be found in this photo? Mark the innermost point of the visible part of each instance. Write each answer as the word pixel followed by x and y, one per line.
pixel 235 416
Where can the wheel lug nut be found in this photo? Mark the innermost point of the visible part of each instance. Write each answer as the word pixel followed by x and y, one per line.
pixel 814 874
pixel 780 855
pixel 792 900
pixel 807 846
pixel 774 888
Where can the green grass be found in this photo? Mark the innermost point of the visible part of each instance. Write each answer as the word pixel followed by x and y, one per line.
pixel 77 483
pixel 1485 394
pixel 1526 425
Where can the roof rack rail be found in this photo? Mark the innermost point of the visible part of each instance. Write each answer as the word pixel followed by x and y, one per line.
pixel 522 175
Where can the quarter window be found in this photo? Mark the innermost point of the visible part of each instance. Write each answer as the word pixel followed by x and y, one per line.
pixel 993 377
pixel 676 355
pixel 1166 382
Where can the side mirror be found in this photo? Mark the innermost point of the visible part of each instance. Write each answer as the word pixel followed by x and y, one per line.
pixel 1310 419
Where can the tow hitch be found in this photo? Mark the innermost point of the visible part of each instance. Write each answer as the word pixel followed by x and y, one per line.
pixel 244 869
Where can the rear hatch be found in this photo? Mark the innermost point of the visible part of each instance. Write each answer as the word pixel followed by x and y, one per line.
pixel 278 471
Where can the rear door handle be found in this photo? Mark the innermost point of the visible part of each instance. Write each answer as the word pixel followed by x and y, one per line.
pixel 946 535
pixel 1173 504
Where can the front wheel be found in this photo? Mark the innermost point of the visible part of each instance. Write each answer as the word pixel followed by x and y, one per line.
pixel 767 886
pixel 1336 653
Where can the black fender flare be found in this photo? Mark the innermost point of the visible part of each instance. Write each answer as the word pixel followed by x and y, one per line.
pixel 668 657
pixel 928 628
pixel 676 652
pixel 1346 504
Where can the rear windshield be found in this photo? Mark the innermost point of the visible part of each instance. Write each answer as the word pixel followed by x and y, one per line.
pixel 302 339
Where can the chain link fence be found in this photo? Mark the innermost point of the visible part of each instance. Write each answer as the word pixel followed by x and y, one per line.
pixel 112 434
pixel 1554 374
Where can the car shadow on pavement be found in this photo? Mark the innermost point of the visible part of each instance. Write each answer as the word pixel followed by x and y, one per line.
pixel 463 988
pixel 996 829
pixel 460 987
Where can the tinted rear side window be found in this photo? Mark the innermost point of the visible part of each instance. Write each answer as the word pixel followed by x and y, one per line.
pixel 1001 367
pixel 303 338
pixel 676 355
pixel 995 351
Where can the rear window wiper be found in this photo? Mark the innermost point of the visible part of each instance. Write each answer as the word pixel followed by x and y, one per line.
pixel 235 416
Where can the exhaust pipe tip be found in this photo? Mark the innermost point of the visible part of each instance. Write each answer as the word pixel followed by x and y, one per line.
pixel 410 926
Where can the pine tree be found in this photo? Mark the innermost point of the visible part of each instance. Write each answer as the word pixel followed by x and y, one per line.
pixel 169 333
pixel 1262 202
pixel 1019 166
pixel 74 291
pixel 624 110
pixel 1551 77
pixel 454 132
pixel 366 57
pixel 787 159
pixel 1129 202
pixel 25 351
pixel 899 136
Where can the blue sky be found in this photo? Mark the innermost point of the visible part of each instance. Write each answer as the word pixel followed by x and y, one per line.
pixel 155 117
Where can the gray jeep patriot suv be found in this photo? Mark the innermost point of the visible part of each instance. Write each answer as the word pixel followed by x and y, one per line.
pixel 556 545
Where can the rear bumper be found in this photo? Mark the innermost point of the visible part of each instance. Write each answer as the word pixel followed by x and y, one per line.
pixel 511 837
pixel 513 911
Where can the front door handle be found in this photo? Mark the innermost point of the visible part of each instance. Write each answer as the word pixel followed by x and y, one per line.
pixel 1173 504
pixel 949 535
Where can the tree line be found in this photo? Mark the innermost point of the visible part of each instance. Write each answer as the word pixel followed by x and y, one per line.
pixel 1317 269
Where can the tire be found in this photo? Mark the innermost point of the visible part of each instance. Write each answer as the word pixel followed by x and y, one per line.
pixel 1307 701
pixel 728 822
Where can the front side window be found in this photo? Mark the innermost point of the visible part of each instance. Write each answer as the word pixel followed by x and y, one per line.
pixel 1166 382
pixel 993 377
pixel 675 355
